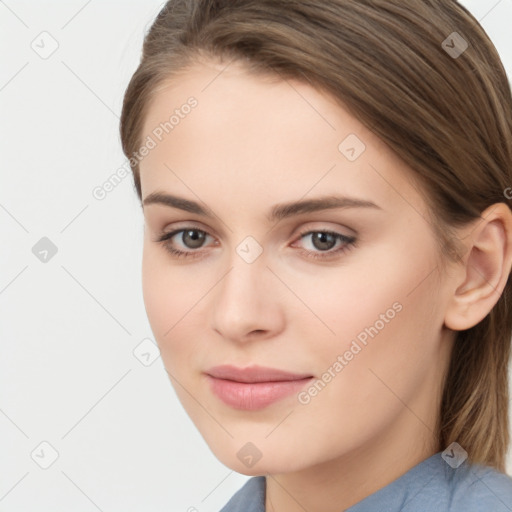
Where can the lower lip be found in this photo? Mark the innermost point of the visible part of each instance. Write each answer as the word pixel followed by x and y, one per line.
pixel 251 396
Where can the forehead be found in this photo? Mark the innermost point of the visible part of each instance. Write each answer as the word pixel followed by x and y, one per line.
pixel 230 97
pixel 258 136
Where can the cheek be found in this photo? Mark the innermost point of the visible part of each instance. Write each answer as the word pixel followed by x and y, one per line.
pixel 378 311
pixel 355 300
pixel 386 332
pixel 167 297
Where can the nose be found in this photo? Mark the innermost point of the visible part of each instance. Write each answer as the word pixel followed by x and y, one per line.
pixel 246 303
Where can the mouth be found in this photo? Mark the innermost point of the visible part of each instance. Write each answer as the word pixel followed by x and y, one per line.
pixel 255 387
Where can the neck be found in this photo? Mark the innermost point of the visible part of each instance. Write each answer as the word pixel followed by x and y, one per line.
pixel 344 481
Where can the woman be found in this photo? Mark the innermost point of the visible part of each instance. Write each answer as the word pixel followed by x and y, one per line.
pixel 328 244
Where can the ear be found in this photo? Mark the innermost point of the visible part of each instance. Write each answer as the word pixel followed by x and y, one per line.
pixel 483 270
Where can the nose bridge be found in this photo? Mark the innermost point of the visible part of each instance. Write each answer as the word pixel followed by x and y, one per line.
pixel 241 287
pixel 241 283
pixel 248 267
pixel 244 301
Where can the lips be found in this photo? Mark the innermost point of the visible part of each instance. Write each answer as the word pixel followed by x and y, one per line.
pixel 254 387
pixel 253 374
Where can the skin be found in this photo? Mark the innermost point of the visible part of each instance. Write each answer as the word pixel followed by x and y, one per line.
pixel 253 142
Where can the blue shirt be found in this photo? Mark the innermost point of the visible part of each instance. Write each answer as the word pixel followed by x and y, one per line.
pixel 431 486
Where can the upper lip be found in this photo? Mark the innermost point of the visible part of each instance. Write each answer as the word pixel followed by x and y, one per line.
pixel 254 374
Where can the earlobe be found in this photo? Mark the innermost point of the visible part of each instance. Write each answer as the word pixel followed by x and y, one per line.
pixel 485 269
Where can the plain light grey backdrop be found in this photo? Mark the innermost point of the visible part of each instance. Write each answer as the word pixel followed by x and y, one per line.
pixel 86 422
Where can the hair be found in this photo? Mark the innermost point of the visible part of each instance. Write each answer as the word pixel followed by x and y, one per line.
pixel 448 117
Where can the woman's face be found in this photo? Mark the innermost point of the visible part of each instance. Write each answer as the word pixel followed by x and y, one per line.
pixel 354 316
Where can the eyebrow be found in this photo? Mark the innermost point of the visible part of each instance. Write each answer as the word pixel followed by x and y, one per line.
pixel 277 212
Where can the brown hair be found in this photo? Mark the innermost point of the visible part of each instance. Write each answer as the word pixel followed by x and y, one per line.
pixel 448 116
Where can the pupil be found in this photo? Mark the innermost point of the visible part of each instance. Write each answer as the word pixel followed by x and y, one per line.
pixel 324 241
pixel 195 238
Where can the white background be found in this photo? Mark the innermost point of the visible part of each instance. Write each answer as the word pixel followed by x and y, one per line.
pixel 68 375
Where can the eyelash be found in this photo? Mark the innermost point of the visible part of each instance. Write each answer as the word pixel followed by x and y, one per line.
pixel 349 242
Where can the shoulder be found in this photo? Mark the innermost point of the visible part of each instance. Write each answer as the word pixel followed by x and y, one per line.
pixel 249 498
pixel 481 489
pixel 436 485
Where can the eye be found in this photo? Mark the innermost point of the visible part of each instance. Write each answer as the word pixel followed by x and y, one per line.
pixel 191 238
pixel 322 243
